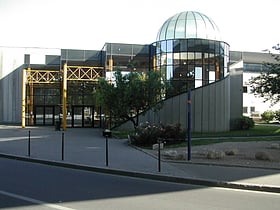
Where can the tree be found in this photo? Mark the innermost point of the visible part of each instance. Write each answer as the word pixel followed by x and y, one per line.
pixel 130 94
pixel 268 116
pixel 277 115
pixel 267 84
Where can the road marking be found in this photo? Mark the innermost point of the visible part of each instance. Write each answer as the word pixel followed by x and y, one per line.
pixel 32 200
pixel 21 138
pixel 249 191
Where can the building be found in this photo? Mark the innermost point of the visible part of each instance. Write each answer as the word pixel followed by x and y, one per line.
pixel 251 64
pixel 43 86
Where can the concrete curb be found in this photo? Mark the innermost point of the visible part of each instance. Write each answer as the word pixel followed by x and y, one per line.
pixel 157 177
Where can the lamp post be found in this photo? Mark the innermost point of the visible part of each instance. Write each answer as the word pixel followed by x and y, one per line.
pixel 189 118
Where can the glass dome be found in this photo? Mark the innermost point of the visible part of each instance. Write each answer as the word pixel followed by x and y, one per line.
pixel 187 25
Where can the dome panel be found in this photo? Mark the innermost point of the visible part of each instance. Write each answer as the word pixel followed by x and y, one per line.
pixel 189 24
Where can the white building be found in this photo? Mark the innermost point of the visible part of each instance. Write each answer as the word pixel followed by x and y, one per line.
pixel 252 64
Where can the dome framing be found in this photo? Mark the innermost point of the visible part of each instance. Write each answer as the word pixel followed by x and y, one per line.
pixel 189 24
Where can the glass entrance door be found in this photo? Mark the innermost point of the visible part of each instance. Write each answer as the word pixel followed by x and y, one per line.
pixel 85 116
pixel 44 115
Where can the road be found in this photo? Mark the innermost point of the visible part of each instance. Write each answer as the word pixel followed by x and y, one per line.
pixel 26 185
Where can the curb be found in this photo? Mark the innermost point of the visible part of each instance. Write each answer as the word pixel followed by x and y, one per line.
pixel 157 177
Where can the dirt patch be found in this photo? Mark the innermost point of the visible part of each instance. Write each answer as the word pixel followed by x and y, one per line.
pixel 229 153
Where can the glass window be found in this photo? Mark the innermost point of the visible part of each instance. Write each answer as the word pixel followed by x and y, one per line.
pixel 176 58
pixel 170 30
pixel 198 58
pixel 169 72
pixel 190 27
pixel 169 59
pixel 177 46
pixel 198 72
pixel 211 76
pixel 245 109
pixel 180 29
pixel 158 48
pixel 190 58
pixel 211 46
pixel 162 32
pixel 184 45
pixel 198 83
pixel 184 58
pixel 163 59
pixel 252 109
pixel 169 45
pixel 163 46
pixel 191 45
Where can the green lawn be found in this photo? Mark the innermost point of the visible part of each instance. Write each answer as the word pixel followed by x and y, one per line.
pixel 258 130
pixel 258 133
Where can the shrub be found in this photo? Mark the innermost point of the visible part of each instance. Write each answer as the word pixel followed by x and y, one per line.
pixel 246 123
pixel 148 134
pixel 268 116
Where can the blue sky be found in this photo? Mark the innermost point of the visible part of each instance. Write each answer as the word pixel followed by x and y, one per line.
pixel 88 24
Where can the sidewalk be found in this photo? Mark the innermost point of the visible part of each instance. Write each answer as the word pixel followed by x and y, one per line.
pixel 84 148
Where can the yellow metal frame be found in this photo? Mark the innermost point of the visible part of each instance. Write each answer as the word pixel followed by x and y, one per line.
pixel 77 73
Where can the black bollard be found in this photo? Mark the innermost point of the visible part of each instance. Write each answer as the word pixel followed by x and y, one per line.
pixel 107 133
pixel 106 150
pixel 62 146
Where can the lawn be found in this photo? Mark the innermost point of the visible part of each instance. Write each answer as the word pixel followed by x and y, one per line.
pixel 260 132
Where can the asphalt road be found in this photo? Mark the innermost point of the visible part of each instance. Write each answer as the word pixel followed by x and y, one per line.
pixel 33 186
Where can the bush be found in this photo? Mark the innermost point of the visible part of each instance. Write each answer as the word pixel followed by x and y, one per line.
pixel 246 123
pixel 148 134
pixel 268 116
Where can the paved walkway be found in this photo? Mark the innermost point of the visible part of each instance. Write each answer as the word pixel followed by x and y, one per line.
pixel 86 147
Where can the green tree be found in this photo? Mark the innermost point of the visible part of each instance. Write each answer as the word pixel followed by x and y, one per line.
pixel 267 84
pixel 277 115
pixel 130 94
pixel 268 116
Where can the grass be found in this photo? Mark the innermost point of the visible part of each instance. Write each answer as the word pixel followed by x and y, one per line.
pixel 258 133
pixel 206 141
pixel 257 130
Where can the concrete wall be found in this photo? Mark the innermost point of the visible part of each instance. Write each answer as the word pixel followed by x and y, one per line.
pixel 10 94
pixel 213 108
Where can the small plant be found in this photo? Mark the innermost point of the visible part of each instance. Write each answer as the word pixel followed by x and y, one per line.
pixel 268 116
pixel 245 123
pixel 148 134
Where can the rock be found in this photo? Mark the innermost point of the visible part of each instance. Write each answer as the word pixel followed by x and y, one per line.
pixel 173 155
pixel 215 154
pixel 232 152
pixel 170 153
pixel 274 146
pixel 262 156
pixel 155 146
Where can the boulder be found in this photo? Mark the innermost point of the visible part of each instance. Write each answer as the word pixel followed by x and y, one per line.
pixel 232 152
pixel 274 146
pixel 263 156
pixel 215 154
pixel 155 146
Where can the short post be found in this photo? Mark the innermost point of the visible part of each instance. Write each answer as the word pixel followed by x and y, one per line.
pixel 107 133
pixel 106 150
pixel 62 146
pixel 189 117
pixel 29 148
